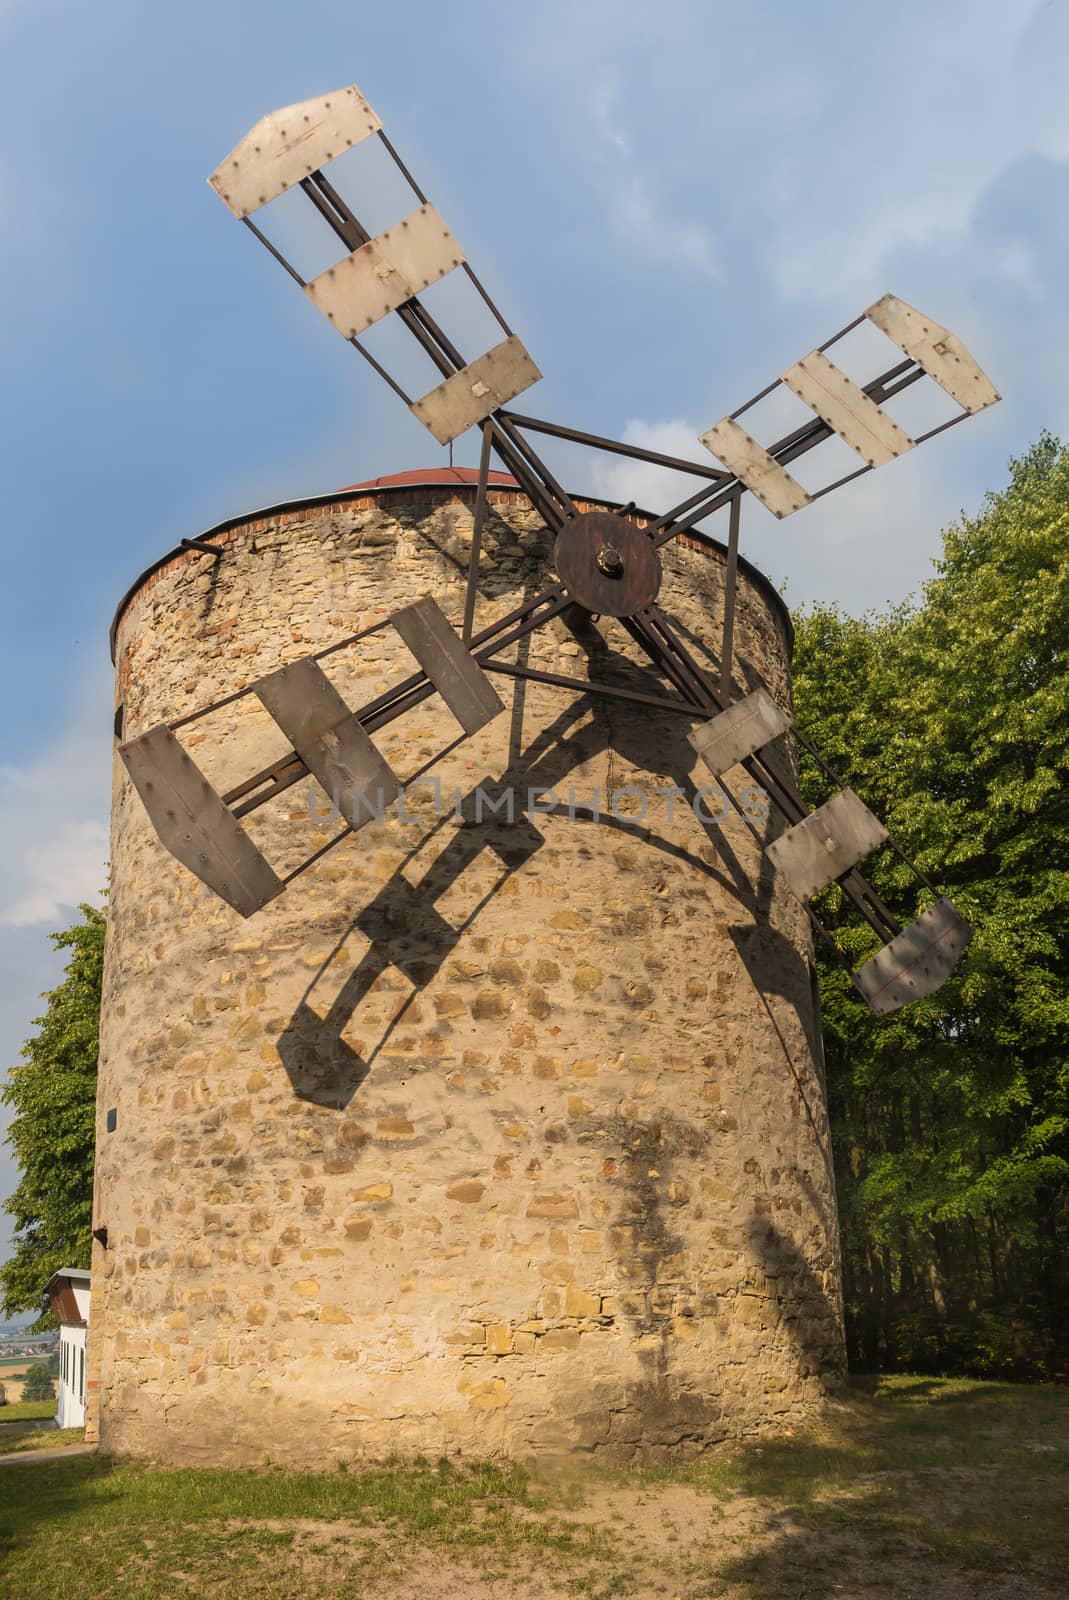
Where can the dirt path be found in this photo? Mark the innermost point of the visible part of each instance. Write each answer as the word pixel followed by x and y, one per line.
pixel 59 1452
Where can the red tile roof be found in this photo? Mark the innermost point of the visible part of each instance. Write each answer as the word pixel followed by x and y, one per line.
pixel 442 476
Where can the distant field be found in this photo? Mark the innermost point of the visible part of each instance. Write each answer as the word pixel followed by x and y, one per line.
pixel 26 1411
pixel 11 1376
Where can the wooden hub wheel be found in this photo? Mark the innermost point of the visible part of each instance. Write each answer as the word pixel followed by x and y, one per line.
pixel 608 566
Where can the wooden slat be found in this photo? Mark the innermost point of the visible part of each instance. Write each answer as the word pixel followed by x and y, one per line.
pixel 385 272
pixel 471 394
pixel 286 145
pixel 753 466
pixel 847 410
pixel 738 732
pixel 194 824
pixel 917 962
pixel 329 740
pixel 823 846
pixel 937 350
pixel 460 681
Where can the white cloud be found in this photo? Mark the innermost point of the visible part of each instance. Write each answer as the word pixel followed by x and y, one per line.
pixel 653 488
pixel 66 870
pixel 630 186
pixel 636 214
pixel 53 829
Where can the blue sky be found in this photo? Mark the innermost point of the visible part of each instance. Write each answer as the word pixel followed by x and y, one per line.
pixel 671 202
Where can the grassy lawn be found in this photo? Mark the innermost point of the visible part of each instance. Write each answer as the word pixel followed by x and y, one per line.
pixel 27 1411
pixel 912 1486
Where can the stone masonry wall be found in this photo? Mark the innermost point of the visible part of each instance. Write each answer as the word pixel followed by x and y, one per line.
pixel 490 1138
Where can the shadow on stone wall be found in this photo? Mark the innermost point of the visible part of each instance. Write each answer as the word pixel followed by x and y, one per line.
pixel 402 924
pixel 806 1303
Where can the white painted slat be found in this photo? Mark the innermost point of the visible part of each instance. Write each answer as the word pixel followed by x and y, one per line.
pixel 374 280
pixel 847 410
pixel 753 466
pixel 933 347
pixel 286 145
pixel 471 394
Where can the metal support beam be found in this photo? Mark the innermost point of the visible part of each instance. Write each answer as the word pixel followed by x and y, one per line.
pixel 731 578
pixel 477 534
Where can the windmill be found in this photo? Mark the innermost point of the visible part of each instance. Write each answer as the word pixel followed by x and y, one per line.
pixel 607 565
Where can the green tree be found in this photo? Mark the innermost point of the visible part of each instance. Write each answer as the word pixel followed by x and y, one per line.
pixel 52 1092
pixel 38 1383
pixel 951 1118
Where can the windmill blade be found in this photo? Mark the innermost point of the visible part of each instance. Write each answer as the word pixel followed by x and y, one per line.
pixel 383 274
pixel 201 828
pixel 917 962
pixel 853 412
pixel 937 350
pixel 816 852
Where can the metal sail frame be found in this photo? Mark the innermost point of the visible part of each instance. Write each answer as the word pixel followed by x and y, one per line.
pixel 380 276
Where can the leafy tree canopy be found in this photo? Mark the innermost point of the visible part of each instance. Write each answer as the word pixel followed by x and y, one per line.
pixel 52 1092
pixel 951 717
pixel 38 1383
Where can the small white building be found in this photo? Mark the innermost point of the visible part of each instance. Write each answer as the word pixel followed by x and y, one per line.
pixel 68 1295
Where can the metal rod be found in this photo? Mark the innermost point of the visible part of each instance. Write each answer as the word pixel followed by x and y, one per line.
pixel 203 545
pixel 531 458
pixel 730 586
pixel 531 484
pixel 613 447
pixel 239 694
pixel 422 198
pixel 312 859
pixel 381 370
pixel 399 164
pixel 467 268
pixel 850 326
pixel 556 680
pixel 281 775
pixel 279 257
pixel 477 534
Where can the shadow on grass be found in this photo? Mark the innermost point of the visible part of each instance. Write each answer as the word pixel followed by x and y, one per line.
pixel 911 1481
pixel 47 1493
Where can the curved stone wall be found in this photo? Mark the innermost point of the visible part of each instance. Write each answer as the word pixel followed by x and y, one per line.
pixel 488 1137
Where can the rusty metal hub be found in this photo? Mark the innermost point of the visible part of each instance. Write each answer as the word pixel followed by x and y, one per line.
pixel 607 564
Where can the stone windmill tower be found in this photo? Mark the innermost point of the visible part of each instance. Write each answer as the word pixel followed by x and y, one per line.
pixel 460 1077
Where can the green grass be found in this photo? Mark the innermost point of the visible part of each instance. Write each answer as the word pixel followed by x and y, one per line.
pixel 911 1485
pixel 160 1535
pixel 27 1411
